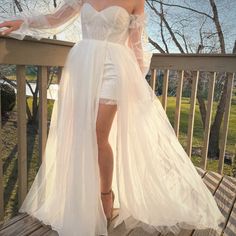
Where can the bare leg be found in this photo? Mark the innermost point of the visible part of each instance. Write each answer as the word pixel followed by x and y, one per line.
pixel 105 118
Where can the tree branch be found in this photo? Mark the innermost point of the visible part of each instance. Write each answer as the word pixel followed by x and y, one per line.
pixel 184 40
pixel 183 7
pixel 168 27
pixel 18 5
pixel 218 26
pixel 162 34
pixel 156 45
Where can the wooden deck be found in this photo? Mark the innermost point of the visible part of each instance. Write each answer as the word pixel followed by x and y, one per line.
pixel 223 188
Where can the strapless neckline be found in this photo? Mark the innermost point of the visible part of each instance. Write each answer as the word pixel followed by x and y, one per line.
pixel 110 7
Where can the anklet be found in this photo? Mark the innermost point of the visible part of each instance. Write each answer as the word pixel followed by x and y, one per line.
pixel 105 193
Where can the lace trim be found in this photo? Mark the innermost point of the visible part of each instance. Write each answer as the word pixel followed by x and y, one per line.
pixel 107 101
pixel 138 20
pixel 74 3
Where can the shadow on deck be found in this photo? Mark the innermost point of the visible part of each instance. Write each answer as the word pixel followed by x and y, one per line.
pixel 223 188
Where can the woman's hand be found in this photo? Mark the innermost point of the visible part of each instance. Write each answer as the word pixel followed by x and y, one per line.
pixel 11 25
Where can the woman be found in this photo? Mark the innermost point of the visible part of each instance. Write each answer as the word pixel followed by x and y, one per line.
pixel 106 109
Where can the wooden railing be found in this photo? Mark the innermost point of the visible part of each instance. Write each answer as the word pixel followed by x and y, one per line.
pixel 48 52
pixel 197 63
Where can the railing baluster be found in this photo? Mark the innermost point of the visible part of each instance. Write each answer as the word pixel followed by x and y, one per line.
pixel 153 79
pixel 178 102
pixel 165 89
pixel 225 122
pixel 21 133
pixel 42 110
pixel 1 169
pixel 192 112
pixel 60 71
pixel 207 129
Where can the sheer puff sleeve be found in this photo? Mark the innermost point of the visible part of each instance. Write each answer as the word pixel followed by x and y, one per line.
pixel 138 41
pixel 44 25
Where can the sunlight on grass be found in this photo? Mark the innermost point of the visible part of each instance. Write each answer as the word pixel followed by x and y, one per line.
pixel 198 130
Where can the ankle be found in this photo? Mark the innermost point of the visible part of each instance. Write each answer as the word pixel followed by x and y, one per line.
pixel 106 193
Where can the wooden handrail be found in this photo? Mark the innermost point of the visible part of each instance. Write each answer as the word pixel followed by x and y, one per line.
pixel 195 62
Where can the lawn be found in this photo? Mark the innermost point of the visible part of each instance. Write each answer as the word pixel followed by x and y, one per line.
pixel 198 130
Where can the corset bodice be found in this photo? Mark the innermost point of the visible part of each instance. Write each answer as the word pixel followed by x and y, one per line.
pixel 110 24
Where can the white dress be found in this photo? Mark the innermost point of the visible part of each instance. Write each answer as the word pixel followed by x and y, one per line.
pixel 154 181
pixel 108 91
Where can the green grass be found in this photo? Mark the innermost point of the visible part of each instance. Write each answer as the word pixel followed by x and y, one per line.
pixel 198 127
pixel 32 78
pixel 10 161
pixel 198 130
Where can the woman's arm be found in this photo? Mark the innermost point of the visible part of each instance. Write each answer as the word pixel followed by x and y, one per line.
pixel 11 25
pixel 37 23
pixel 135 32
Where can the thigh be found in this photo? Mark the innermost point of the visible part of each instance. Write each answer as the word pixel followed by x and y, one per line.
pixel 105 117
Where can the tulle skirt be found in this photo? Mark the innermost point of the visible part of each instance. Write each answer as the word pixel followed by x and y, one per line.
pixel 154 181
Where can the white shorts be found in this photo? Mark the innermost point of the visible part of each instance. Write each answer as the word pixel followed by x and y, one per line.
pixel 108 94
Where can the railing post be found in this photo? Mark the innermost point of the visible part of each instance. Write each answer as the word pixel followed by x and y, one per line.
pixel 1 168
pixel 178 102
pixel 207 130
pixel 165 89
pixel 60 71
pixel 42 111
pixel 225 122
pixel 191 113
pixel 153 79
pixel 21 133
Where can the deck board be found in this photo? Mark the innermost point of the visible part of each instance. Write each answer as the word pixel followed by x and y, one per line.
pixel 230 212
pixel 212 181
pixel 42 231
pixel 223 188
pixel 24 226
pixel 225 197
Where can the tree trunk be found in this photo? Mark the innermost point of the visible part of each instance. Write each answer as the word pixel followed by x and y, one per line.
pixel 202 109
pixel 200 99
pixel 214 149
pixel 35 104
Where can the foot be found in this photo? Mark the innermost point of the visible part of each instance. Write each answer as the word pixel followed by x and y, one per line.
pixel 107 202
